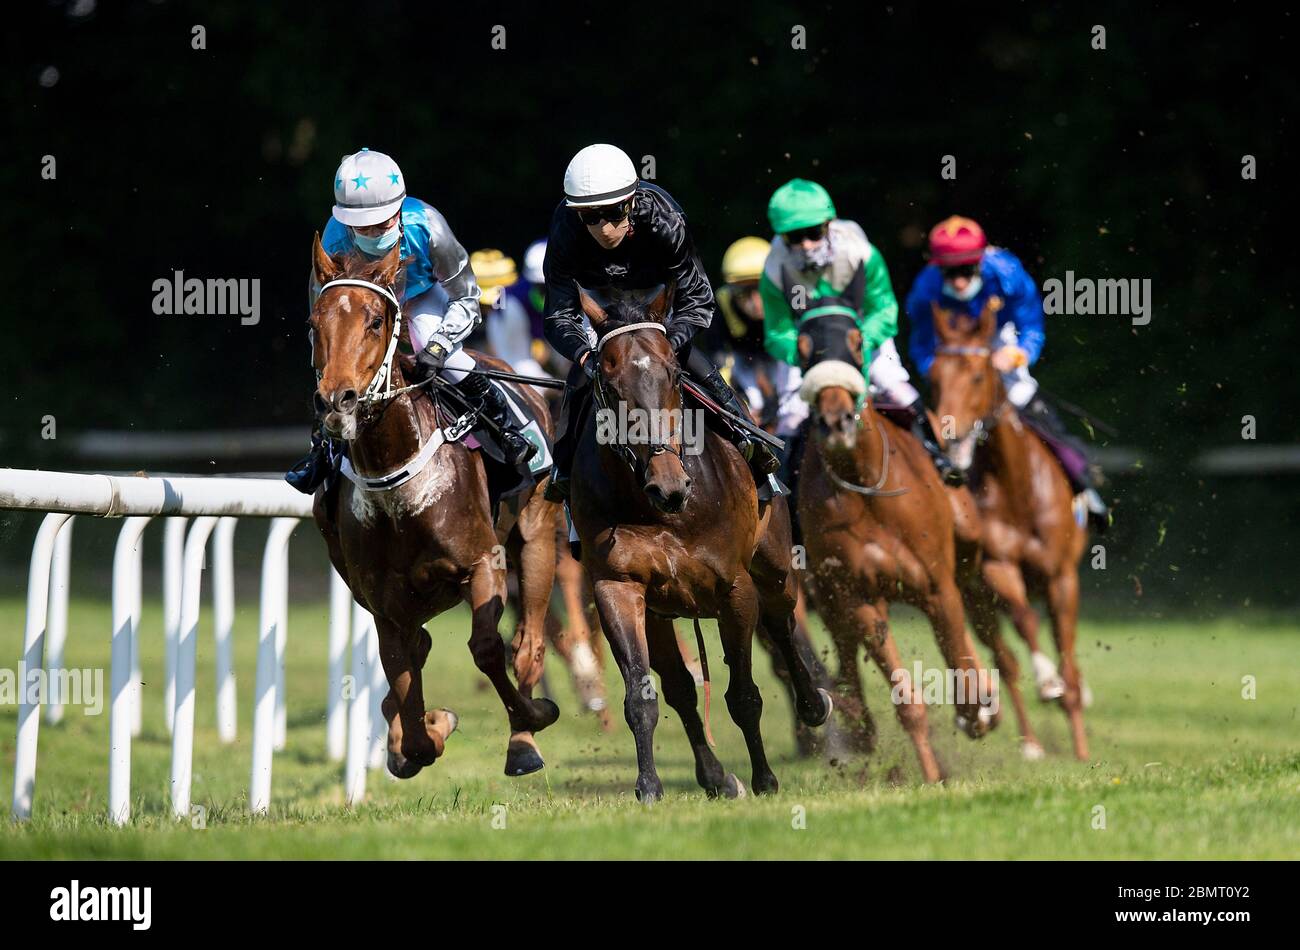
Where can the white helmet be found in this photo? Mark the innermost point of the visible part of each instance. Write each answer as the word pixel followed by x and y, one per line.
pixel 534 258
pixel 368 189
pixel 599 175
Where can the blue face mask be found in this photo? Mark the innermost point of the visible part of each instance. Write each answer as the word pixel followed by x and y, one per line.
pixel 377 246
pixel 972 289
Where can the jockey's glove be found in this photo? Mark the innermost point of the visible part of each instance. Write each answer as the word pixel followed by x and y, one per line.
pixel 431 359
pixel 589 364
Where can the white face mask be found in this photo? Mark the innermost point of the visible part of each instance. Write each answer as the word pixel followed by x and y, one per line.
pixel 972 289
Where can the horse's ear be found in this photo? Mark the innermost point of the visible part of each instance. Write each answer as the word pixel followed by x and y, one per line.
pixel 944 330
pixel 854 339
pixel 324 267
pixel 805 345
pixel 663 300
pixel 593 310
pixel 386 271
pixel 989 317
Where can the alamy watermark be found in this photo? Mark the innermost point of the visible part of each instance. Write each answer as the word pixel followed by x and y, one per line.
pixel 633 426
pixel 937 686
pixel 212 297
pixel 1109 296
pixel 38 686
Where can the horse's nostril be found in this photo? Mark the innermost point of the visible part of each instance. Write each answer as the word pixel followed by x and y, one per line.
pixel 346 401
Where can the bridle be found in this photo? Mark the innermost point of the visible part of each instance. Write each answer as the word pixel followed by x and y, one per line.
pixel 381 385
pixel 600 395
pixel 982 427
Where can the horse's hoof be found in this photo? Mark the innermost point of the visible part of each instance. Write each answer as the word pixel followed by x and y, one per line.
pixel 522 757
pixel 830 707
pixel 733 787
pixel 442 721
pixel 975 728
pixel 1032 751
pixel 401 767
pixel 647 793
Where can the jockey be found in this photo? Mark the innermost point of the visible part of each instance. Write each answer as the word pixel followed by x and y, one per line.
pixel 439 296
pixel 736 342
pixel 505 316
pixel 816 254
pixel 963 273
pixel 612 229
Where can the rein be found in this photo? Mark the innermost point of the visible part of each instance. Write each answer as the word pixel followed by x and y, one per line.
pixel 875 491
pixel 600 395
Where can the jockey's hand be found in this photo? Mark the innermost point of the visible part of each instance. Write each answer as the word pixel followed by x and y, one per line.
pixel 1008 358
pixel 431 359
pixel 588 363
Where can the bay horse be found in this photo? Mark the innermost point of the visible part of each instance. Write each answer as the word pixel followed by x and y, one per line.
pixel 411 552
pixel 1030 538
pixel 669 533
pixel 880 527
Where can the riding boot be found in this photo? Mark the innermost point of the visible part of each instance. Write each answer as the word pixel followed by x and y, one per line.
pixel 1041 414
pixel 924 432
pixel 757 453
pixel 309 472
pixel 516 448
pixel 568 430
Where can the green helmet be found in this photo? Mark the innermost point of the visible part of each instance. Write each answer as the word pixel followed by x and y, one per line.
pixel 799 203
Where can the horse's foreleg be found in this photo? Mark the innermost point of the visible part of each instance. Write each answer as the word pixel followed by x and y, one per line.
pixel 736 622
pixel 486 592
pixel 1063 607
pixel 622 615
pixel 412 742
pixel 533 542
pixel 1006 580
pixel 982 610
pixel 978 713
pixel 679 690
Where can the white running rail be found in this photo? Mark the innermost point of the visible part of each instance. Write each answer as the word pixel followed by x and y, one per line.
pixel 214 504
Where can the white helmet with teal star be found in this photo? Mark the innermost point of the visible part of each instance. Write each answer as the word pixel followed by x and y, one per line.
pixel 368 189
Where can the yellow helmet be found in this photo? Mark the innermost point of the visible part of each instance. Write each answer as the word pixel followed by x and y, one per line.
pixel 494 272
pixel 744 260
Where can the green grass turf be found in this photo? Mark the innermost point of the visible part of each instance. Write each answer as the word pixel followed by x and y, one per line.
pixel 1182 764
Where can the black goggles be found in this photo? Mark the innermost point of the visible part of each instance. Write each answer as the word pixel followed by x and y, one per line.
pixel 612 213
pixel 960 270
pixel 814 233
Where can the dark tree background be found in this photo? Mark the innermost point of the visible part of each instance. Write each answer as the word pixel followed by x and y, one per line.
pixel 1123 162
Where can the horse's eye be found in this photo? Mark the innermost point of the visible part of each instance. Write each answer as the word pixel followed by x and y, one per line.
pixel 979 378
pixel 376 323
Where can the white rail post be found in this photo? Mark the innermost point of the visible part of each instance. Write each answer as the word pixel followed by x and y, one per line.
pixel 378 690
pixel 136 609
pixel 358 710
pixel 335 708
pixel 29 718
pixel 186 648
pixel 125 684
pixel 281 645
pixel 274 583
pixel 223 625
pixel 57 628
pixel 173 545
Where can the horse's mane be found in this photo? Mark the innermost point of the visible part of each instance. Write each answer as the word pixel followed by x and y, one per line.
pixel 360 267
pixel 623 307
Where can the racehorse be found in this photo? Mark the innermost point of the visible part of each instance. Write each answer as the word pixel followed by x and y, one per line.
pixel 412 551
pixel 669 533
pixel 1030 538
pixel 880 527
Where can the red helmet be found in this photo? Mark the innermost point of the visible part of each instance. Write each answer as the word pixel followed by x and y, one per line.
pixel 956 241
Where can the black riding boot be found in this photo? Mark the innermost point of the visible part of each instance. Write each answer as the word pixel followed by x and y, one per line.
pixel 924 433
pixel 1041 413
pixel 514 445
pixel 757 453
pixel 308 473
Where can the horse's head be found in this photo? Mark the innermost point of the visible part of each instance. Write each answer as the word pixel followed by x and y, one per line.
pixel 967 389
pixel 831 358
pixel 636 367
pixel 352 329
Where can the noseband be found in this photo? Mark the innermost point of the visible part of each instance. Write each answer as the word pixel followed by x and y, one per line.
pixel 600 394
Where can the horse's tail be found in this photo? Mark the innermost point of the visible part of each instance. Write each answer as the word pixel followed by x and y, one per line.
pixel 708 687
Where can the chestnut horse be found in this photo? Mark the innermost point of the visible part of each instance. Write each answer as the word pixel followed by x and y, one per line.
pixel 410 552
pixel 1030 538
pixel 668 532
pixel 879 526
